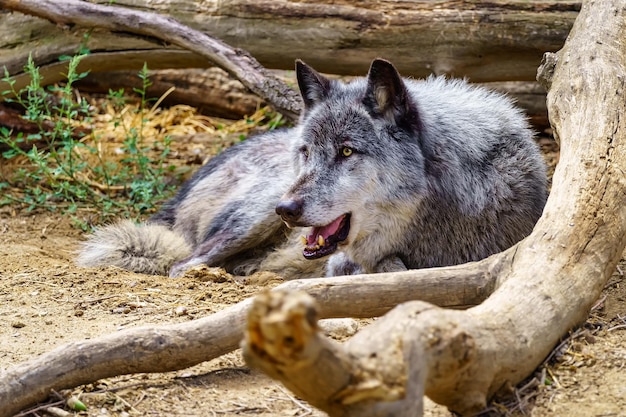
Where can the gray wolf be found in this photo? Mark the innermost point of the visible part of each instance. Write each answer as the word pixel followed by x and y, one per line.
pixel 381 174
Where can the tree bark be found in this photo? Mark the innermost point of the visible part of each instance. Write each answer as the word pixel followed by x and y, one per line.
pixel 459 39
pixel 461 358
pixel 483 40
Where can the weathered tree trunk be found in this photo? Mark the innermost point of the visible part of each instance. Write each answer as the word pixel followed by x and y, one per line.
pixel 210 90
pixel 552 278
pixel 458 38
pixel 485 41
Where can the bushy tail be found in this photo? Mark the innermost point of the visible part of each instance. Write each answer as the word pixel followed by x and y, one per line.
pixel 146 248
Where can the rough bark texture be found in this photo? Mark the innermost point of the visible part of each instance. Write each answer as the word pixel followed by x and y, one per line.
pixel 548 286
pixel 210 90
pixel 484 40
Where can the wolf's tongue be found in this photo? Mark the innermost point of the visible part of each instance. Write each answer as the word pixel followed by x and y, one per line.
pixel 324 231
pixel 323 240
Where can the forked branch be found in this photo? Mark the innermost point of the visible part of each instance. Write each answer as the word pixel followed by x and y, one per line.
pixel 546 284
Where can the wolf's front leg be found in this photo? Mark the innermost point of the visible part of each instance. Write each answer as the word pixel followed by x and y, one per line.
pixel 216 250
pixel 179 268
pixel 342 264
pixel 234 245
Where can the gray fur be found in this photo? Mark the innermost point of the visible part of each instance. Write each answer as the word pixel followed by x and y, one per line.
pixel 441 173
pixel 147 248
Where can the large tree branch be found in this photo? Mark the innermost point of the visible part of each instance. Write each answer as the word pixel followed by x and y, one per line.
pixel 172 347
pixel 461 358
pixel 547 282
pixel 236 62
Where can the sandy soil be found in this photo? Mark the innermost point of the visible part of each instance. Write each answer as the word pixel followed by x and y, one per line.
pixel 46 301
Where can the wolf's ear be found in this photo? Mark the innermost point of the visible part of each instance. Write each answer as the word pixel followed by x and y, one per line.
pixel 314 87
pixel 387 96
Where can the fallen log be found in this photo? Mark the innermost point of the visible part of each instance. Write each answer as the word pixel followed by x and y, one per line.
pixel 485 41
pixel 214 93
pixel 546 283
pixel 549 284
pixel 210 90
pixel 457 39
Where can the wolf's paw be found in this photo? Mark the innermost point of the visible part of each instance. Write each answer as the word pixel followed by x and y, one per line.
pixel 179 269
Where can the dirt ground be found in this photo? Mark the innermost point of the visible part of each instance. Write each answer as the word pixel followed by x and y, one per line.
pixel 46 302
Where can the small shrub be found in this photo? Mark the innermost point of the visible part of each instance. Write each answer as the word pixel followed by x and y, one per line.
pixel 64 168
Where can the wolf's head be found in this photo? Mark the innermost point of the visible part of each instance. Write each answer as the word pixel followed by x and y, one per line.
pixel 358 156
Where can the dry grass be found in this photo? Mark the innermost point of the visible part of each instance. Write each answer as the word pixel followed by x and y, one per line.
pixel 121 150
pixel 195 137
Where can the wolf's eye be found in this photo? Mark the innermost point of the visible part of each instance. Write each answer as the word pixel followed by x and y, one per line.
pixel 304 151
pixel 345 151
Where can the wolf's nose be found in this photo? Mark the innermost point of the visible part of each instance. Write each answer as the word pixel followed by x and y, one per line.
pixel 289 210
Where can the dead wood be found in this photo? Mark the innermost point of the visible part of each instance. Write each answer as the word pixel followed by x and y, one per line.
pixel 549 284
pixel 546 284
pixel 210 90
pixel 473 43
pixel 236 62
pixel 486 41
pixel 173 347
pixel 214 93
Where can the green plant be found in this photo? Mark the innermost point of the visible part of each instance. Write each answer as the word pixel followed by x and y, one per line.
pixel 63 167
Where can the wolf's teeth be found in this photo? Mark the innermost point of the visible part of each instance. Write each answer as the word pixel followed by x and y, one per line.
pixel 320 240
pixel 304 240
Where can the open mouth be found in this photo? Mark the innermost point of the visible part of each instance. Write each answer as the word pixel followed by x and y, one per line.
pixel 323 240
